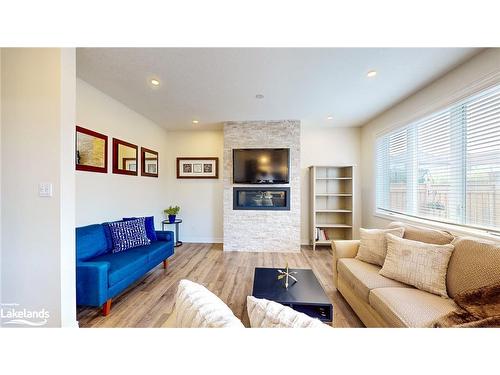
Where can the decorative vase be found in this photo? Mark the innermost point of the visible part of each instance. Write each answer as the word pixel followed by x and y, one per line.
pixel 171 219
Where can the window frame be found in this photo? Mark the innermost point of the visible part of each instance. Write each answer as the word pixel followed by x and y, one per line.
pixel 455 100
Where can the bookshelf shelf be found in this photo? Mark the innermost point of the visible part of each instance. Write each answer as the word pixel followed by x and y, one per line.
pixel 331 203
pixel 323 242
pixel 333 226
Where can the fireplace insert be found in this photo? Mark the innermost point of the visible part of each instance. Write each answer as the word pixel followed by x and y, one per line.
pixel 269 199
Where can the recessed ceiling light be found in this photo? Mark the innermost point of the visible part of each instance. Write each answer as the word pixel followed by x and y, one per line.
pixel 329 118
pixel 195 122
pixel 155 82
pixel 371 73
pixel 259 96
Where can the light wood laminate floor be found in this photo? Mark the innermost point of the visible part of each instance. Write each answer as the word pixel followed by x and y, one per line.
pixel 149 302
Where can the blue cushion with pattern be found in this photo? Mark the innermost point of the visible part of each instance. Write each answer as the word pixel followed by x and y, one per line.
pixel 150 226
pixel 109 237
pixel 128 234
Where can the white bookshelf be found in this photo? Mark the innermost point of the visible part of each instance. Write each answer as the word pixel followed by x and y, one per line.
pixel 331 189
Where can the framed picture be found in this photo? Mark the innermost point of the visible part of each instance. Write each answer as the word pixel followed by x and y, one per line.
pixel 125 157
pixel 91 154
pixel 149 162
pixel 206 167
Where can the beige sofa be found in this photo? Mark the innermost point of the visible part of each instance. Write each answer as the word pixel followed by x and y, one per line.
pixel 382 302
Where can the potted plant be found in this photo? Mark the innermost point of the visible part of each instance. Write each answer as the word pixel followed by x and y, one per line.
pixel 172 212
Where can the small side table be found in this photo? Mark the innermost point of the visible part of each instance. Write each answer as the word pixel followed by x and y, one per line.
pixel 176 222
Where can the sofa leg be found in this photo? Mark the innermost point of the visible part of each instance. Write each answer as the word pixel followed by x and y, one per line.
pixel 165 264
pixel 106 308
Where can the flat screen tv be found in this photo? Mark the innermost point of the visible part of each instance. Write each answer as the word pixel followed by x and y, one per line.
pixel 261 166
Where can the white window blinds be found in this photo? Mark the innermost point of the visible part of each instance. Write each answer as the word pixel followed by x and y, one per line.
pixel 446 166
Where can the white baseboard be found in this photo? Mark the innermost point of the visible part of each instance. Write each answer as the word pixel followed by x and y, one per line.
pixel 201 239
pixel 263 251
pixel 304 242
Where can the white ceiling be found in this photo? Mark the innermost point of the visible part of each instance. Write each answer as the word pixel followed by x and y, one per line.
pixel 215 85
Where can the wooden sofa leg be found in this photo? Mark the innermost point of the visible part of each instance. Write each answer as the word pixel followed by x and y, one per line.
pixel 106 308
pixel 165 264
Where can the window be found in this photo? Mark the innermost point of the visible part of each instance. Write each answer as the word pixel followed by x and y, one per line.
pixel 445 167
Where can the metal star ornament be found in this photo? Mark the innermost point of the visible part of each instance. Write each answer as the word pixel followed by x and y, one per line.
pixel 287 274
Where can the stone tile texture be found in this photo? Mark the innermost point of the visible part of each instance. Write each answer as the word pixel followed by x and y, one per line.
pixel 262 231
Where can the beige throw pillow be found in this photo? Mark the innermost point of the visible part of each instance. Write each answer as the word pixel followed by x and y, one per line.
pixel 269 314
pixel 197 307
pixel 419 264
pixel 373 244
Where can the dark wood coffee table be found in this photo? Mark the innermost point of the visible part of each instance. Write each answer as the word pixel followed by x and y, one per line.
pixel 306 295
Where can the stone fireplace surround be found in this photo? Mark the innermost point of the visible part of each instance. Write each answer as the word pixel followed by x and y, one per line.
pixel 262 230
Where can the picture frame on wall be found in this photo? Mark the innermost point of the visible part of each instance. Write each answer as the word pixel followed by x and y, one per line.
pixel 125 157
pixel 91 151
pixel 150 162
pixel 198 167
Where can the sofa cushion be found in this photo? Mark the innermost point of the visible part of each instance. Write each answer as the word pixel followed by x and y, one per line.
pixel 362 277
pixel 421 234
pixel 197 307
pixel 420 264
pixel 128 234
pixel 409 307
pixel 373 244
pixel 90 242
pixel 475 263
pixel 157 251
pixel 149 223
pixel 123 263
pixel 263 313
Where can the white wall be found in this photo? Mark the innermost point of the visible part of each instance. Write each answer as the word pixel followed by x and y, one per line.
pixel 36 256
pixel 0 179
pixel 329 146
pixel 67 186
pixel 200 200
pixel 461 81
pixel 106 197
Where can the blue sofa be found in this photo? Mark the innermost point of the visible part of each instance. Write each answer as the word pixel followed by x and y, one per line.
pixel 102 274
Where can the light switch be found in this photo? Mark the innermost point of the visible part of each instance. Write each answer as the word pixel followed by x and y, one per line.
pixel 45 189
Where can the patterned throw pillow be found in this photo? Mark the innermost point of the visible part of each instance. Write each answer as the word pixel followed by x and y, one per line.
pixel 149 224
pixel 419 264
pixel 269 314
pixel 128 234
pixel 373 244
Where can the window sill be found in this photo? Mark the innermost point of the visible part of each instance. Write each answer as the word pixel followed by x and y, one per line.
pixel 453 229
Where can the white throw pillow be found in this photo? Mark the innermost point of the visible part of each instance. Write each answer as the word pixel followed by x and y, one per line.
pixel 197 307
pixel 416 263
pixel 373 244
pixel 269 314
